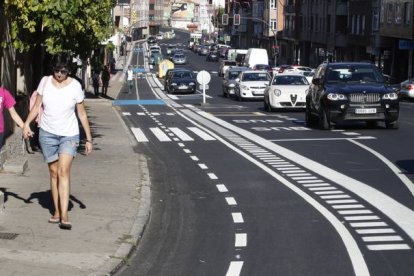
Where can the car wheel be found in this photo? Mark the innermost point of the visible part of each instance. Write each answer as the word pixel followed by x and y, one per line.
pixel 392 125
pixel 323 120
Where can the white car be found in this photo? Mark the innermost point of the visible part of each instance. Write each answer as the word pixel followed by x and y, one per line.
pixel 286 91
pixel 407 89
pixel 251 85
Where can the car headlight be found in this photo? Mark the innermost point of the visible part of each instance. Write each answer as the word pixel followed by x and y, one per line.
pixel 277 92
pixel 336 97
pixel 244 87
pixel 191 83
pixel 390 96
pixel 173 84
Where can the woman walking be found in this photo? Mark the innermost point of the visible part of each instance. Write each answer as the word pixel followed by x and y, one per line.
pixel 7 102
pixel 60 95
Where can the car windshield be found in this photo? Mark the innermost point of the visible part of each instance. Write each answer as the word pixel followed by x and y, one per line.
pixel 230 63
pixel 255 77
pixel 233 75
pixel 182 75
pixel 360 73
pixel 290 80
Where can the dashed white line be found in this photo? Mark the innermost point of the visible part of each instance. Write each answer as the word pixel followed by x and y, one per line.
pixel 212 176
pixel 240 240
pixel 231 201
pixel 181 134
pixel 187 151
pixel 201 134
pixel 381 238
pixel 203 166
pixel 222 188
pixel 235 268
pixel 194 158
pixel 237 217
pixel 161 136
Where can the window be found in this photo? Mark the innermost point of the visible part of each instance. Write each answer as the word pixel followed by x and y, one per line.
pixel 389 13
pixel 397 13
pixel 273 4
pixel 273 24
pixel 382 15
pixel 407 13
pixel 375 20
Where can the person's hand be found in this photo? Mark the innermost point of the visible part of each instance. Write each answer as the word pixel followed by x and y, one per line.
pixel 88 147
pixel 27 132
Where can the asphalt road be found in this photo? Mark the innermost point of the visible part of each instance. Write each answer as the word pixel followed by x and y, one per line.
pixel 240 191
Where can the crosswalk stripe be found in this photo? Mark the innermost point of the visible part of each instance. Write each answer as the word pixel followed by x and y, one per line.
pixel 139 135
pixel 160 134
pixel 181 134
pixel 201 134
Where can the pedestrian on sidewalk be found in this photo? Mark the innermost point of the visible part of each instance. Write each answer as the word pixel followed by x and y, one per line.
pixel 105 76
pixel 130 79
pixel 59 134
pixel 96 80
pixel 7 102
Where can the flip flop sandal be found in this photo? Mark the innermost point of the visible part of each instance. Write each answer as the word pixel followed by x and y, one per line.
pixel 54 220
pixel 65 225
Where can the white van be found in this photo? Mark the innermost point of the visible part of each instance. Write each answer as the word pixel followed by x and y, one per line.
pixel 255 56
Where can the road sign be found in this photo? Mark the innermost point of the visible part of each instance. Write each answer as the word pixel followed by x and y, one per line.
pixel 138 70
pixel 203 77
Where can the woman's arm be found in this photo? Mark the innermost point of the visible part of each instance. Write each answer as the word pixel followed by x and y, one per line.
pixel 83 117
pixel 27 132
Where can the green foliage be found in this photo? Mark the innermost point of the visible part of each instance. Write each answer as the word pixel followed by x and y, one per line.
pixel 59 25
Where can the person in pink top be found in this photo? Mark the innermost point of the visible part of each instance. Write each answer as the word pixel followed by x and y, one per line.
pixel 7 102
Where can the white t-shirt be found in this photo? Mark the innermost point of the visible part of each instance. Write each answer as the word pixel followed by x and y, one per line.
pixel 59 105
pixel 130 74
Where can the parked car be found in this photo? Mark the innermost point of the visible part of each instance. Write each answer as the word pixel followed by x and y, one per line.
pixel 251 84
pixel 224 65
pixel 179 58
pixel 407 89
pixel 152 39
pixel 160 37
pixel 213 56
pixel 181 81
pixel 350 91
pixel 286 91
pixel 229 80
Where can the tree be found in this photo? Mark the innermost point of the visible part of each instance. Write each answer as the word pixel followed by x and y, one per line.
pixel 77 26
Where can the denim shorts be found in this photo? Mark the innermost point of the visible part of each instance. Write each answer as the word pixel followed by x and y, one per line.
pixel 52 145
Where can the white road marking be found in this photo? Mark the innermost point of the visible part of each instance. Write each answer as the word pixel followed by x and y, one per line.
pixel 368 224
pixel 237 217
pixel 126 113
pixel 322 188
pixel 389 247
pixel 381 238
pixel 222 188
pixel 317 185
pixel 310 181
pixel 329 192
pixel 334 196
pixel 375 231
pixel 181 134
pixel 194 158
pixel 348 206
pixel 240 240
pixel 341 201
pixel 203 166
pixel 231 201
pixel 235 268
pixel 187 151
pixel 161 136
pixel 355 218
pixel 355 212
pixel 203 135
pixel 304 177
pixel 139 135
pixel 181 145
pixel 404 179
pixel 351 133
pixel 212 176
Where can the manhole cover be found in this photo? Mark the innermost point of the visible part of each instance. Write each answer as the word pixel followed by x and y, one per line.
pixel 8 236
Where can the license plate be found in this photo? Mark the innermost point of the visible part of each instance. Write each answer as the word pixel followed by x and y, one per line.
pixel 182 87
pixel 365 111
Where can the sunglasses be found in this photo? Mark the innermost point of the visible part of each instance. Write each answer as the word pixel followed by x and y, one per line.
pixel 62 71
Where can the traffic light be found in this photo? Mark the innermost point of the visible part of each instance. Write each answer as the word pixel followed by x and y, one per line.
pixel 236 19
pixel 224 19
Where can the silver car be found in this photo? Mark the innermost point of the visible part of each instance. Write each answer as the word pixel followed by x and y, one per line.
pixel 179 59
pixel 229 80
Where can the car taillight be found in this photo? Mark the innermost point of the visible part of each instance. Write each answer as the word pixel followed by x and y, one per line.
pixel 281 70
pixel 410 86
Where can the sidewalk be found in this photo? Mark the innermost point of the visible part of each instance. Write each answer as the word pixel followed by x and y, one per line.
pixel 109 204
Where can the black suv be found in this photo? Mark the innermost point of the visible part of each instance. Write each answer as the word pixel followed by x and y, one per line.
pixel 350 91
